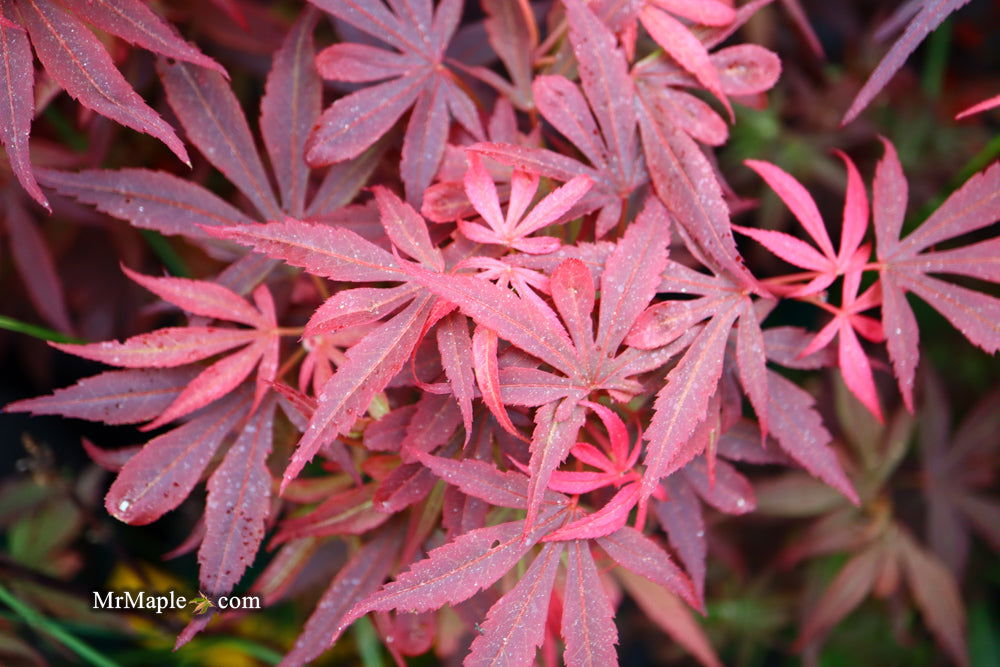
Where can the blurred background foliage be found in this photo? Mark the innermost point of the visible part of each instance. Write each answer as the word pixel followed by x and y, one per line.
pixel 57 544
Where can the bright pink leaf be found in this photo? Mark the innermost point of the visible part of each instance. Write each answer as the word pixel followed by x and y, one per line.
pixel 605 521
pixel 985 105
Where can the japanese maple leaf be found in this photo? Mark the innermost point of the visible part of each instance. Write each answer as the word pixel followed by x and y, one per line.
pixel 660 19
pixel 825 266
pixel 178 346
pixel 513 33
pixel 614 463
pixel 407 310
pixel 417 76
pixel 156 477
pixel 600 121
pixel 446 200
pixel 679 510
pixel 215 123
pixel 745 71
pixel 582 361
pixel 614 469
pixel 687 182
pixel 683 402
pixel 985 105
pixel 926 16
pixel 514 625
pixel 847 322
pixel 359 577
pixel 882 552
pixel 33 259
pixel 826 263
pixel 75 58
pixel 905 265
pixel 875 570
pixel 323 352
pixel 959 471
pixel 512 230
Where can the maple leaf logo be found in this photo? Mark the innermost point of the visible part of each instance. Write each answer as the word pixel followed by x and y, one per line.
pixel 202 604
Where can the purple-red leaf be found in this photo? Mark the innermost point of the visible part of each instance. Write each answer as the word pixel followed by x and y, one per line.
pixel 669 613
pixel 78 62
pixel 332 252
pixel 846 592
pixel 200 298
pixel 588 627
pixel 238 505
pixel 905 264
pixel 682 520
pixel 682 403
pixel 365 572
pixel 163 348
pixel 159 477
pixel 292 102
pixel 35 264
pixel 938 596
pixel 932 14
pixel 686 183
pixel 214 122
pixel 800 432
pixel 113 397
pixel 481 480
pixel 17 106
pixel 456 571
pixel 515 626
pixel 632 275
pixel 367 369
pixel 639 554
pixel 147 199
pixel 134 22
pixel 351 124
pixel 500 310
pixel 455 347
pixel 554 435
